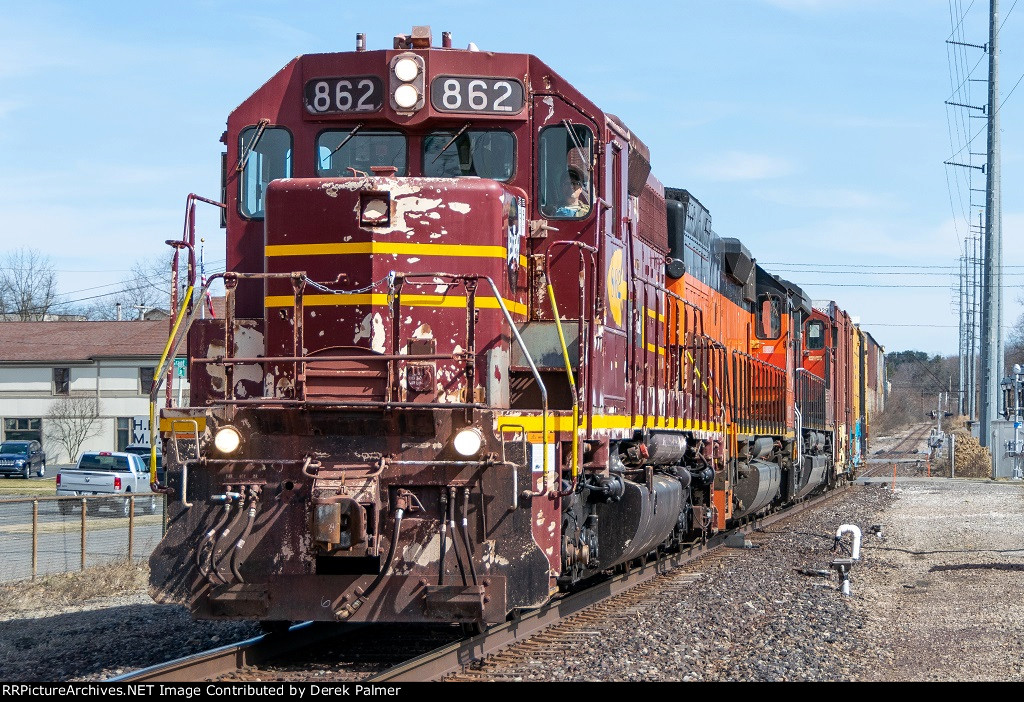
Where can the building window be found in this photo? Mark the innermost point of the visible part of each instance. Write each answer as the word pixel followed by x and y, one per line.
pixel 61 381
pixel 124 432
pixel 146 379
pixel 23 429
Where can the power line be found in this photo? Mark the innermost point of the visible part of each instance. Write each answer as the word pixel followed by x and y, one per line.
pixel 867 285
pixel 938 274
pixel 781 264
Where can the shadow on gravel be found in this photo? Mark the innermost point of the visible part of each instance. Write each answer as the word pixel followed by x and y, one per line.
pixel 100 643
pixel 873 547
pixel 979 566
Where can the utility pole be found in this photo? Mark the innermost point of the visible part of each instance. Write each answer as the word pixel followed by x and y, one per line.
pixel 961 403
pixel 992 286
pixel 973 303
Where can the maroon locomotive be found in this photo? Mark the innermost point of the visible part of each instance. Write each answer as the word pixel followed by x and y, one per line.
pixel 453 376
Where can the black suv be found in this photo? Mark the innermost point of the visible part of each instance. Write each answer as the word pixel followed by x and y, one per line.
pixel 22 458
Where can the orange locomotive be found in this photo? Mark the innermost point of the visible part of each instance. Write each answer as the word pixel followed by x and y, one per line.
pixel 474 353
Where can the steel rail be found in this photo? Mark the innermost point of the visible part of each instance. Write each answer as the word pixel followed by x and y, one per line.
pixel 454 657
pixel 233 657
pixel 904 451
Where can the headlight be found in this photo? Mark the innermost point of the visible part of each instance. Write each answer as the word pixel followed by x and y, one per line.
pixel 468 442
pixel 227 440
pixel 406 97
pixel 19 463
pixel 406 69
pixel 408 82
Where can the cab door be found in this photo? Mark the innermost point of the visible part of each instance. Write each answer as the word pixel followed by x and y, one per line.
pixel 616 355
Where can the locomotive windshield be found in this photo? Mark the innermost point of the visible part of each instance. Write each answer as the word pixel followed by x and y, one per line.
pixel 340 150
pixel 269 156
pixel 564 157
pixel 474 152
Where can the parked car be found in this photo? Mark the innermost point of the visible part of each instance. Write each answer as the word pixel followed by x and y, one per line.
pixel 143 451
pixel 22 458
pixel 107 473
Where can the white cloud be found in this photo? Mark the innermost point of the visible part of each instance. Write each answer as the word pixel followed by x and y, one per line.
pixel 738 165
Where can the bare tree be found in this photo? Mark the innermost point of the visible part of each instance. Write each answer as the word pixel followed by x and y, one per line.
pixel 28 285
pixel 1015 341
pixel 72 420
pixel 147 286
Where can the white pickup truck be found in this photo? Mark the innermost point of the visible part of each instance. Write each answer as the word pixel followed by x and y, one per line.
pixel 107 473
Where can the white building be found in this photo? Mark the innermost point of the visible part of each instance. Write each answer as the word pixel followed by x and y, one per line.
pixel 111 363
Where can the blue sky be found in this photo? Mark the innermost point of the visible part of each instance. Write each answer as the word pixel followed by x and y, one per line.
pixel 814 130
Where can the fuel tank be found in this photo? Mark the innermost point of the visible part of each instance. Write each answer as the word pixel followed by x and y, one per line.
pixel 757 485
pixel 639 521
pixel 813 474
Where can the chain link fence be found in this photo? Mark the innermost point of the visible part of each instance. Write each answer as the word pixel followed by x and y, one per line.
pixel 47 535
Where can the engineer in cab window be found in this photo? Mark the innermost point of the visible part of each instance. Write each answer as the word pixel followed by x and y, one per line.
pixel 564 153
pixel 577 200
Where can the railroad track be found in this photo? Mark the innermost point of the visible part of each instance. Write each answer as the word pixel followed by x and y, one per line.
pixel 232 657
pixel 907 451
pixel 547 627
pixel 365 652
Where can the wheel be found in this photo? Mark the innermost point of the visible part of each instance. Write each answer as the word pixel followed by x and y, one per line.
pixel 473 628
pixel 149 506
pixel 42 470
pixel 26 472
pixel 126 507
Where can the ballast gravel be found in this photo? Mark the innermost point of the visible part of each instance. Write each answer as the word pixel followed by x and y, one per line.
pixel 938 597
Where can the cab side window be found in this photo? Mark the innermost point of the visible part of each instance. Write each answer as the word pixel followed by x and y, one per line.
pixel 815 338
pixel 769 317
pixel 565 172
pixel 266 155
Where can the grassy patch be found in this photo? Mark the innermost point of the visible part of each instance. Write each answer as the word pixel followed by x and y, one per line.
pixel 64 589
pixel 15 487
pixel 94 522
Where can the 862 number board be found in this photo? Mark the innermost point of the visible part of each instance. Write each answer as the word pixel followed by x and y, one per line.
pixel 340 95
pixel 499 96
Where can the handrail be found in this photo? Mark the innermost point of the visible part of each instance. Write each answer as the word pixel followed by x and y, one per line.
pixel 170 351
pixel 540 385
pixel 574 466
pixel 763 391
pixel 177 456
pixel 515 333
pixel 157 376
pixel 187 241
